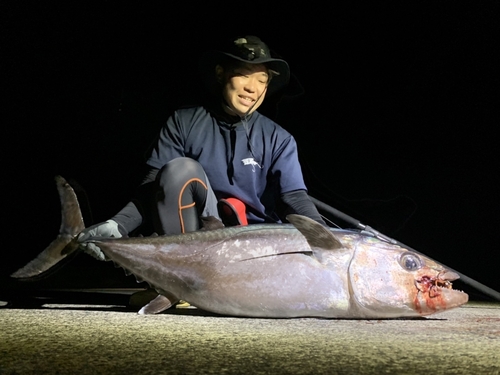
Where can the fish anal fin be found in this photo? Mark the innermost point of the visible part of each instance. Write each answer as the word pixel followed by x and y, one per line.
pixel 158 304
pixel 317 235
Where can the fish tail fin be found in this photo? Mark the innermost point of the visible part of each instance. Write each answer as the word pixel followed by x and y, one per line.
pixel 65 244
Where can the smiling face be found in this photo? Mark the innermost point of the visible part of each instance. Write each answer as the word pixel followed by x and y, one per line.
pixel 244 87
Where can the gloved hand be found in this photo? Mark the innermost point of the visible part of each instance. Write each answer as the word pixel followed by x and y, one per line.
pixel 107 229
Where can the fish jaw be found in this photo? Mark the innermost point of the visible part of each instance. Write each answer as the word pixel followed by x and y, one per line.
pixel 435 293
pixel 383 285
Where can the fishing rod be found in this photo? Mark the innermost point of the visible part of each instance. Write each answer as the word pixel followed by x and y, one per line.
pixel 367 229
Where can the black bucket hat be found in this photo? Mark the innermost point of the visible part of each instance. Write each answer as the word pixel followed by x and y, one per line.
pixel 249 49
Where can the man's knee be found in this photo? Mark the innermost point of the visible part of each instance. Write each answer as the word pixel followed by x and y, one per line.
pixel 181 169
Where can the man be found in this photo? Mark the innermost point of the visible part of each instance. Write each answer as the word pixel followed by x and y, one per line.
pixel 223 159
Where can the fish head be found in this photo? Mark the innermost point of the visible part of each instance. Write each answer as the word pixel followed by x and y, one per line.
pixel 391 281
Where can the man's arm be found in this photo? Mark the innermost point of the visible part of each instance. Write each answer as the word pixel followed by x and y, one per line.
pixel 299 202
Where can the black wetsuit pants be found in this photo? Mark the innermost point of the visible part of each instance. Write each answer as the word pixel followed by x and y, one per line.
pixel 183 195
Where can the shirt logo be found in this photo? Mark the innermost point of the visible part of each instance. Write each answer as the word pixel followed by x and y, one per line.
pixel 252 162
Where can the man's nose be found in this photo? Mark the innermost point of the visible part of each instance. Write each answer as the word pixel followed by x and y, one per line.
pixel 250 85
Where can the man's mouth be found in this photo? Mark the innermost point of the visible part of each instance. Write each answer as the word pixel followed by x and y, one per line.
pixel 246 99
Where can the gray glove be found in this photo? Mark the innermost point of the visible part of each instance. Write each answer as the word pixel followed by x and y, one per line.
pixel 107 229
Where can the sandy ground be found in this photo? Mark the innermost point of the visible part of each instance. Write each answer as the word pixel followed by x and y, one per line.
pixel 84 339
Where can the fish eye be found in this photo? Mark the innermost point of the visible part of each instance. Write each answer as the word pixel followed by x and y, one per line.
pixel 410 262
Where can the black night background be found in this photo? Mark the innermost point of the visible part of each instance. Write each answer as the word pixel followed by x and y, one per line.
pixel 396 124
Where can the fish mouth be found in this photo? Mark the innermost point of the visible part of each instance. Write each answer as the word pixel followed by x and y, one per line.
pixel 434 285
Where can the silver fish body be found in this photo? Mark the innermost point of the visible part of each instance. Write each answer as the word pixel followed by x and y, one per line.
pixel 271 270
pixel 286 271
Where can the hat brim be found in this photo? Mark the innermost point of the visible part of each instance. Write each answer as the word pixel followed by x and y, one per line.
pixel 211 59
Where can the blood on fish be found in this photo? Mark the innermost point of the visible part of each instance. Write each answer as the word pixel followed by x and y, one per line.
pixel 430 289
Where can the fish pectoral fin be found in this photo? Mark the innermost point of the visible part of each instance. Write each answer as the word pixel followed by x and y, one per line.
pixel 275 254
pixel 156 306
pixel 317 235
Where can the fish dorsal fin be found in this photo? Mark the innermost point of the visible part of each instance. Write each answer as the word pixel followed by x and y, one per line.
pixel 317 235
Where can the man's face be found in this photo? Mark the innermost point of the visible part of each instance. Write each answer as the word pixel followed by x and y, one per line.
pixel 245 88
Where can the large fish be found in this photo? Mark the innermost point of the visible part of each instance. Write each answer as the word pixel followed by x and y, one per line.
pixel 272 270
